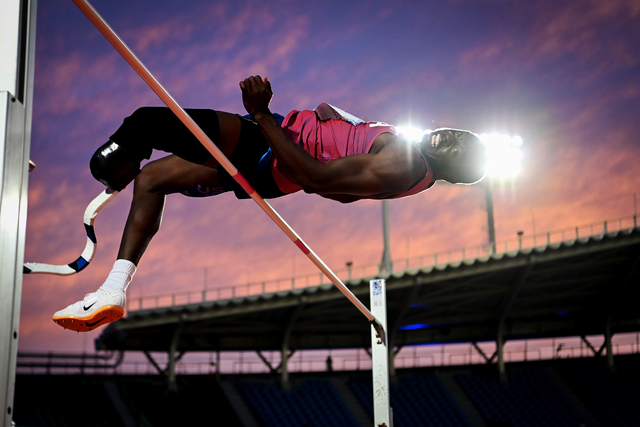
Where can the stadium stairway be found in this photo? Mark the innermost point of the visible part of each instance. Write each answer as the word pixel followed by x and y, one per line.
pixel 584 410
pixel 191 401
pixel 461 399
pixel 342 387
pixel 121 408
pixel 238 404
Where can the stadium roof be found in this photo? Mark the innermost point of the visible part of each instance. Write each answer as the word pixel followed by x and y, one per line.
pixel 571 288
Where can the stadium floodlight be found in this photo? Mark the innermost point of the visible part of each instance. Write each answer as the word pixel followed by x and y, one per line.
pixel 504 158
pixel 504 155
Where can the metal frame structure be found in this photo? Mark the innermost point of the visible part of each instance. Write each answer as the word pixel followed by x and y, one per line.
pixel 17 51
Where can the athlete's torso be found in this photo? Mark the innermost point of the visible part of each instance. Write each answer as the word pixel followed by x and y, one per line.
pixel 328 135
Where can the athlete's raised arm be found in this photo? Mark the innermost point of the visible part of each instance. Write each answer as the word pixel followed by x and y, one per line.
pixel 390 171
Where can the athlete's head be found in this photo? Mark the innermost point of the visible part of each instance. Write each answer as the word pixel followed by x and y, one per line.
pixel 456 156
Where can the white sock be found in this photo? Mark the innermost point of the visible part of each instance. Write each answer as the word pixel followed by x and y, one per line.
pixel 120 276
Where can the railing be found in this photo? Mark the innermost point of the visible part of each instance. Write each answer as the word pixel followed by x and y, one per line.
pixel 369 271
pixel 341 360
pixel 75 361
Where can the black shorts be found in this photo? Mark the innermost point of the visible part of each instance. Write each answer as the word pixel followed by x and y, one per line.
pixel 252 157
pixel 158 128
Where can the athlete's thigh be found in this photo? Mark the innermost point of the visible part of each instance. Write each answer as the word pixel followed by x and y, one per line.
pixel 172 174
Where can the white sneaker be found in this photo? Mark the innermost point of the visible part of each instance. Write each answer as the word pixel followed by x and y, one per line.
pixel 96 309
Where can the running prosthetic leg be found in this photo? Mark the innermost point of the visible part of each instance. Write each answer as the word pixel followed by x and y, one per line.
pixel 114 167
pixel 90 248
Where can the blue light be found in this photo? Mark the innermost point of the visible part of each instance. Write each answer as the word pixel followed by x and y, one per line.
pixel 562 313
pixel 414 326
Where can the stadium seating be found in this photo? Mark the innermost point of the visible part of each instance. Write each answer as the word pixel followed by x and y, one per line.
pixel 71 400
pixel 614 397
pixel 561 392
pixel 54 401
pixel 529 399
pixel 196 400
pixel 312 403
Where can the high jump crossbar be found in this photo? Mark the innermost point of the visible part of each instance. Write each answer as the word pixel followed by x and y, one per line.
pixel 113 38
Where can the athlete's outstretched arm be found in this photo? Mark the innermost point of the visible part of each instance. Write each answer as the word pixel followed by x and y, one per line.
pixel 391 171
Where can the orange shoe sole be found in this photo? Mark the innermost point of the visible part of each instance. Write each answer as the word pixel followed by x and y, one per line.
pixel 107 314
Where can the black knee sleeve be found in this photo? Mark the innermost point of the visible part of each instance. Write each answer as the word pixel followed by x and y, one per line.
pixel 113 166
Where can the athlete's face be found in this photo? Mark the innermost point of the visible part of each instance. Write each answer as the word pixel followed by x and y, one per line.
pixel 456 155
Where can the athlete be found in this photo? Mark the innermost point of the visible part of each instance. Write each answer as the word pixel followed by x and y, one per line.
pixel 326 152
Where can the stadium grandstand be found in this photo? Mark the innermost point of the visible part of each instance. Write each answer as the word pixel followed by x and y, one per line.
pixel 542 332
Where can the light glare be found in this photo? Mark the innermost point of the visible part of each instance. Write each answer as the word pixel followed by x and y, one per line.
pixel 411 133
pixel 517 141
pixel 504 154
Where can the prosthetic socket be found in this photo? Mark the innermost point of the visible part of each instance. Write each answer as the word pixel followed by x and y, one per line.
pixel 113 166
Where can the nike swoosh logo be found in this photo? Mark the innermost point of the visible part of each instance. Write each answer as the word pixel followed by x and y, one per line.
pixel 87 308
pixel 94 324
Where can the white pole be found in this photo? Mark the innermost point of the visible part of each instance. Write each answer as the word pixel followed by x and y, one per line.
pixel 139 67
pixel 382 412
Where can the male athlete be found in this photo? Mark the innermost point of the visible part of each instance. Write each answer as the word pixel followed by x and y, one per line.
pixel 325 151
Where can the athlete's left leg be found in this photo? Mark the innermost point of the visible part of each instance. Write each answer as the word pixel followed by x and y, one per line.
pixel 168 175
pixel 157 179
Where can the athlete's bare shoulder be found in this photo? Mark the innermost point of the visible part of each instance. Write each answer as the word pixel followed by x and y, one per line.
pixel 388 144
pixel 383 140
pixel 403 158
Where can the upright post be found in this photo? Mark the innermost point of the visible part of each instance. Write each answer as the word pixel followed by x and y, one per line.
pixel 386 264
pixel 382 412
pixel 173 348
pixel 488 192
pixel 284 365
pixel 17 42
pixel 608 345
pixel 502 372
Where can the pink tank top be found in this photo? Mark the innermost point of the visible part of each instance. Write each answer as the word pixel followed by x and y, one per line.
pixel 328 135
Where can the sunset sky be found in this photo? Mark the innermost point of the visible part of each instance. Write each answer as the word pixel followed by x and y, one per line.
pixel 564 75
